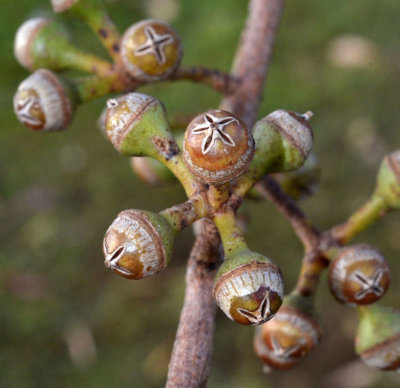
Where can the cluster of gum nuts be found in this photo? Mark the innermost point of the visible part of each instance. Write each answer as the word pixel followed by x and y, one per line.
pixel 218 156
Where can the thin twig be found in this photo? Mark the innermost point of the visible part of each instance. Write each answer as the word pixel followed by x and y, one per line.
pixel 218 80
pixel 307 233
pixel 253 58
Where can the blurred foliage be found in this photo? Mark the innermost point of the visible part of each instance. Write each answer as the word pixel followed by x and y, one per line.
pixel 66 321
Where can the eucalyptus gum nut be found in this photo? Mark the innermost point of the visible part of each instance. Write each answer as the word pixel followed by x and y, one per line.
pixel 151 50
pixel 378 337
pixel 136 125
pixel 388 180
pixel 359 275
pixel 249 288
pixel 217 147
pixel 24 39
pixel 151 171
pixel 45 102
pixel 284 340
pixel 43 43
pixel 138 244
pixel 283 142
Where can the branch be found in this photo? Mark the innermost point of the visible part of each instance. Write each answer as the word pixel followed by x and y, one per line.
pixel 189 365
pixel 191 354
pixel 222 82
pixel 253 57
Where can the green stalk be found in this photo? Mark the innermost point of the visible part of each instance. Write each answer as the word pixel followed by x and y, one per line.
pixel 232 238
pixel 94 13
pixel 52 49
pixel 177 166
pixel 92 87
pixel 370 212
pixel 184 214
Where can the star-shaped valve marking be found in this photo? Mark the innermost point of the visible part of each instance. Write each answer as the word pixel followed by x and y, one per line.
pixel 213 127
pixel 154 45
pixel 369 284
pixel 262 314
pixel 24 110
pixel 283 352
pixel 112 259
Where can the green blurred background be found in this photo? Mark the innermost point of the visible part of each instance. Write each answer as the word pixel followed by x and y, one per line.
pixel 65 321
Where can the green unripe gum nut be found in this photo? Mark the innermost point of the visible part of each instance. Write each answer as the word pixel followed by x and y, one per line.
pixel 378 337
pixel 388 180
pixel 136 125
pixel 283 141
pixel 43 43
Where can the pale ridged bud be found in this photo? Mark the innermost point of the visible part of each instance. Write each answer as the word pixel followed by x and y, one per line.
pixel 378 337
pixel 249 288
pixel 151 50
pixel 137 125
pixel 217 147
pixel 44 102
pixel 45 43
pixel 388 181
pixel 24 40
pixel 138 244
pixel 359 275
pixel 283 141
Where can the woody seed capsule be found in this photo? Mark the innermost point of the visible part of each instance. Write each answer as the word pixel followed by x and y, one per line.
pixel 151 50
pixel 44 102
pixel 359 275
pixel 249 288
pixel 138 244
pixel 283 341
pixel 217 147
pixel 378 337
pixel 137 125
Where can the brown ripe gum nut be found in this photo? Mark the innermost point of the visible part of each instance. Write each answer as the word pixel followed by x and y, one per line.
pixel 250 294
pixel 217 147
pixel 288 337
pixel 41 102
pixel 359 275
pixel 151 50
pixel 132 247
